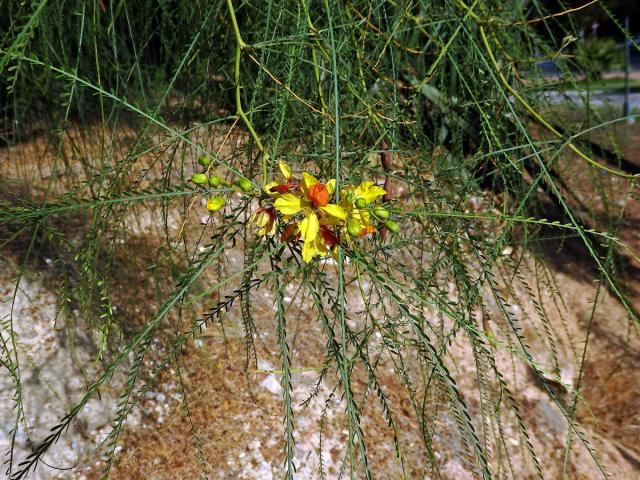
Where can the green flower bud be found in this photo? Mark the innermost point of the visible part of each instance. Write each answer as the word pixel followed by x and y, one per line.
pixel 204 161
pixel 361 203
pixel 245 185
pixel 215 181
pixel 353 227
pixel 381 213
pixel 216 203
pixel 199 178
pixel 392 226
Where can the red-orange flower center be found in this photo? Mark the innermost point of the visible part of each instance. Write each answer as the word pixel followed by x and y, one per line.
pixel 319 194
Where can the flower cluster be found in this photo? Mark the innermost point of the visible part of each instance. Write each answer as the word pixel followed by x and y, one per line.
pixel 305 209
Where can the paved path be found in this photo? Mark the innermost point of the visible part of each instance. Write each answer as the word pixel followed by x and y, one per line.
pixel 596 98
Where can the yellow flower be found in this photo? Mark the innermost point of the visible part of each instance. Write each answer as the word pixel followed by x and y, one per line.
pixel 265 220
pixel 311 198
pixel 369 191
pixel 359 219
pixel 275 189
pixel 324 242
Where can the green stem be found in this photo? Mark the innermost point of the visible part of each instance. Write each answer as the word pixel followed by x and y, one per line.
pixel 355 431
pixel 241 45
pixel 316 70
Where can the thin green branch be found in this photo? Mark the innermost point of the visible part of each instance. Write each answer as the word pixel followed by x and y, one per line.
pixel 240 46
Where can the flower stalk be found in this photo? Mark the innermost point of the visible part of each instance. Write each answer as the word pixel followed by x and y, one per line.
pixel 240 46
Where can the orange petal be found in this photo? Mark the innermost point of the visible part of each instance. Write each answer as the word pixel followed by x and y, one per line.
pixel 319 194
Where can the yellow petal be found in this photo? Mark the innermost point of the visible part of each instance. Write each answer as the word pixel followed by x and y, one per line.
pixel 363 187
pixel 320 246
pixel 335 211
pixel 313 248
pixel 307 181
pixel 309 227
pixel 268 191
pixel 288 204
pixel 369 191
pixel 259 218
pixel 331 186
pixel 308 251
pixel 326 220
pixel 284 169
pixel 345 202
pixel 361 216
pixel 267 229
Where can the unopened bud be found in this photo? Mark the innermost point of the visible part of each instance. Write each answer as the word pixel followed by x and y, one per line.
pixel 381 213
pixel 204 161
pixel 353 227
pixel 199 178
pixel 361 203
pixel 245 185
pixel 215 181
pixel 216 203
pixel 392 226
